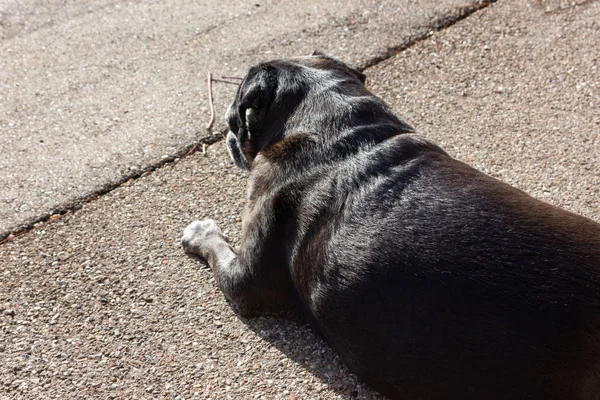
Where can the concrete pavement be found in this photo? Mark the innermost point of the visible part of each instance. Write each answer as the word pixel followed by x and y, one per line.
pixel 102 303
pixel 98 91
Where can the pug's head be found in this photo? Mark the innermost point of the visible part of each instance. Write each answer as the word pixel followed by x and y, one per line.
pixel 278 96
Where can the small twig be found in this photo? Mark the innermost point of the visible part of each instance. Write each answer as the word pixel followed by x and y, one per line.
pixel 207 141
pixel 232 77
pixel 225 81
pixel 212 106
pixel 51 219
pixel 193 149
pixel 14 236
pixel 204 149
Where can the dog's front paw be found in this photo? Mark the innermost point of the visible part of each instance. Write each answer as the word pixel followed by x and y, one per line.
pixel 200 235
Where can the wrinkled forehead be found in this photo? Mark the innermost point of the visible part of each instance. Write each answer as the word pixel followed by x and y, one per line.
pixel 290 71
pixel 312 64
pixel 295 73
pixel 309 61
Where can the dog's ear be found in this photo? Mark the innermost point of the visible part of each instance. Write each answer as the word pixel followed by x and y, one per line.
pixel 253 97
pixel 359 75
pixel 245 116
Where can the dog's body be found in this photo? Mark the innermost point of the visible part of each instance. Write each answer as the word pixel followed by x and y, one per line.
pixel 430 279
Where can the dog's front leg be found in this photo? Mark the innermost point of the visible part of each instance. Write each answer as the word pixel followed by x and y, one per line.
pixel 254 281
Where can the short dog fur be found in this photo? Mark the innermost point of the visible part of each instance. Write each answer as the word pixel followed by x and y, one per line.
pixel 430 279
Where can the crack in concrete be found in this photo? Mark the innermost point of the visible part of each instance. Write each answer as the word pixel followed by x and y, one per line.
pixel 78 203
pixel 438 24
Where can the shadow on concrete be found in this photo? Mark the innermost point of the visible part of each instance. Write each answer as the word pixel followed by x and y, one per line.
pixel 295 338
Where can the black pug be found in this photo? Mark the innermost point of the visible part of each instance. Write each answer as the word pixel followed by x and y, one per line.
pixel 430 279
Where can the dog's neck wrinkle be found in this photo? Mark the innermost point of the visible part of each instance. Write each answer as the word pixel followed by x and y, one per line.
pixel 309 153
pixel 333 114
pixel 328 126
pixel 306 147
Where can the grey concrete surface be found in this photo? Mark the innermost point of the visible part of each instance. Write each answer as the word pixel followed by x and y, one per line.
pixel 102 303
pixel 95 91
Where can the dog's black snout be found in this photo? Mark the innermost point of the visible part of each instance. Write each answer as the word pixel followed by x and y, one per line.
pixel 231 119
pixel 235 152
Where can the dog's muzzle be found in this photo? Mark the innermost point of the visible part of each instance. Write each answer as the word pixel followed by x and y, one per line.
pixel 235 151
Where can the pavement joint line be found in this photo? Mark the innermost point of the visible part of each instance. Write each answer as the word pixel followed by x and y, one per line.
pixel 77 204
pixel 439 24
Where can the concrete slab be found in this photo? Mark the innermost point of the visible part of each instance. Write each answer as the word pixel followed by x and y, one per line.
pixel 94 92
pixel 103 303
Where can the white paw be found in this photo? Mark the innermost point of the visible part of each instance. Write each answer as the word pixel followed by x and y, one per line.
pixel 199 235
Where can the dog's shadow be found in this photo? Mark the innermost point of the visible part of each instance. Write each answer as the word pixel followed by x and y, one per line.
pixel 292 335
pixel 299 342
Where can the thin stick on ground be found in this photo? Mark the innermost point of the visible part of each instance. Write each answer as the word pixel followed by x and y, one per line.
pixel 51 219
pixel 212 105
pixel 233 77
pixel 226 81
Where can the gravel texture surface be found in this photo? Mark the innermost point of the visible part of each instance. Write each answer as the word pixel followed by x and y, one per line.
pixel 102 303
pixel 94 91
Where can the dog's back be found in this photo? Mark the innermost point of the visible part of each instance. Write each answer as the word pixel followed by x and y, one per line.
pixel 437 281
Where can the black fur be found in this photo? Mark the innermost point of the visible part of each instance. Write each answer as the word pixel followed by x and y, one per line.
pixel 430 279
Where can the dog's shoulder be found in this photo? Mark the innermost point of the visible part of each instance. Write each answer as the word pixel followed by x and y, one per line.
pixel 297 163
pixel 292 148
pixel 304 150
pixel 279 163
